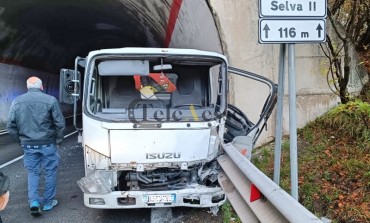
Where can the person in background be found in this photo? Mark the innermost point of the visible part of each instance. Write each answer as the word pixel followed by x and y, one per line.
pixel 4 192
pixel 36 121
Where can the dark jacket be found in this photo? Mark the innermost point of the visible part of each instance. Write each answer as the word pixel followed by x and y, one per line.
pixel 35 118
pixel 4 183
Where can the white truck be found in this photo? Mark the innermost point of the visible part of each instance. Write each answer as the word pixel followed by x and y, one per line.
pixel 153 123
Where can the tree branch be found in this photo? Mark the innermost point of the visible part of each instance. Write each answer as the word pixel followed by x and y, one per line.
pixel 335 26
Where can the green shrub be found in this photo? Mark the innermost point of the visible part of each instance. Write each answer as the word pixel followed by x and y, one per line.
pixel 351 119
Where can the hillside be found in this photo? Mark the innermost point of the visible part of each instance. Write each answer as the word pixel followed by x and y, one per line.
pixel 334 162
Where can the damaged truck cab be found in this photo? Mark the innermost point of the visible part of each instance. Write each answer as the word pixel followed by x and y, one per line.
pixel 153 123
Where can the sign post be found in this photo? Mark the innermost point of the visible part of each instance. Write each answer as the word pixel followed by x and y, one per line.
pixel 289 22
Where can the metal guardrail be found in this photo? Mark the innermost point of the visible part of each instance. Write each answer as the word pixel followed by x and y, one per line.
pixel 275 206
pixel 3 132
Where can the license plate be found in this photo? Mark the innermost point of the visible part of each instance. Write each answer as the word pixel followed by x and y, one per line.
pixel 159 198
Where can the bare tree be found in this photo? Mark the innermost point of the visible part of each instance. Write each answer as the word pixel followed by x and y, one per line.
pixel 350 20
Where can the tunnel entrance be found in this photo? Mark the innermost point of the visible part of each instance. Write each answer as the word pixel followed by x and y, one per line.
pixel 41 37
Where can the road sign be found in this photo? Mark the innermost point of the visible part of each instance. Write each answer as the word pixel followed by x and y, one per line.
pixel 292 31
pixel 293 8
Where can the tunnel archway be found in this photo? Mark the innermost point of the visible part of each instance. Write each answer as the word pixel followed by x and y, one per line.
pixel 41 37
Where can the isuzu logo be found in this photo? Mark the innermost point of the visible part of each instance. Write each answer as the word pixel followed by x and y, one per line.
pixel 163 156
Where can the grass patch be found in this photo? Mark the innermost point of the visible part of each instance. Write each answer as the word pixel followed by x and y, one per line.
pixel 351 119
pixel 333 164
pixel 228 214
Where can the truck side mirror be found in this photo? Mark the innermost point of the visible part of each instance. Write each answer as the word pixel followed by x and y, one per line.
pixel 67 90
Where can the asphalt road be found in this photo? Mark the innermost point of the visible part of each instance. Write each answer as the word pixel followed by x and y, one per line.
pixel 8 149
pixel 71 207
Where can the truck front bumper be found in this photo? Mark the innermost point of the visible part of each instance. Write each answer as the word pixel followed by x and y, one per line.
pixel 201 197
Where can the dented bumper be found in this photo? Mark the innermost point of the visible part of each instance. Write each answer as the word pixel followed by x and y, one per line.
pixel 200 196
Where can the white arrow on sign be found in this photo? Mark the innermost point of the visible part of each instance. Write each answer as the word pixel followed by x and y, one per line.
pixel 292 31
pixel 293 8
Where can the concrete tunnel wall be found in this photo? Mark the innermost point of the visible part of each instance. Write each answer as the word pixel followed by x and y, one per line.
pixel 238 26
pixel 228 27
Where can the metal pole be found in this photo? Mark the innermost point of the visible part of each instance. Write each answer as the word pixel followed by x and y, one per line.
pixel 292 121
pixel 279 115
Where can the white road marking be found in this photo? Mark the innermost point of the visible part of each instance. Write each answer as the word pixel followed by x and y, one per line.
pixel 20 157
pixel 11 161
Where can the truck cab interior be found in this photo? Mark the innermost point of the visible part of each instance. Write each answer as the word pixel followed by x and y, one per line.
pixel 190 90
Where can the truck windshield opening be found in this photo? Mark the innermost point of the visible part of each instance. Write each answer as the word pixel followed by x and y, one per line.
pixel 187 92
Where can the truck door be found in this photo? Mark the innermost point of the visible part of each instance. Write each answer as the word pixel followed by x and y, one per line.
pixel 240 128
pixel 70 87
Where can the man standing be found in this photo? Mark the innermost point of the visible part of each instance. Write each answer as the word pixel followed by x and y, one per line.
pixel 36 121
